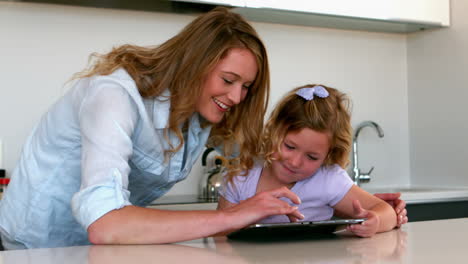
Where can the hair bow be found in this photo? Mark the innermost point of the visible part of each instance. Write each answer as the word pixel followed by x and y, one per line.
pixel 309 92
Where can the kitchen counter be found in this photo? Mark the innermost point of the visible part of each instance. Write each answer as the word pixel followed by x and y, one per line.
pixel 420 194
pixel 411 195
pixel 442 241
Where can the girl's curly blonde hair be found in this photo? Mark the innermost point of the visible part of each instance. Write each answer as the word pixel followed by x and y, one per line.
pixel 329 115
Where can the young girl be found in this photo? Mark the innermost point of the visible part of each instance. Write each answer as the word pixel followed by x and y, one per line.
pixel 305 148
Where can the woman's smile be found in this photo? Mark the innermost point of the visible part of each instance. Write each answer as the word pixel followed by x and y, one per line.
pixel 227 84
pixel 222 107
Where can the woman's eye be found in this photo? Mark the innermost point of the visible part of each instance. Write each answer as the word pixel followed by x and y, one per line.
pixel 227 81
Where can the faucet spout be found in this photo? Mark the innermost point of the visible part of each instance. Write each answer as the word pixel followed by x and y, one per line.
pixel 359 176
pixel 364 124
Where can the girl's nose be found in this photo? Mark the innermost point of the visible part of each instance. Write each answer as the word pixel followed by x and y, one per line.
pixel 295 160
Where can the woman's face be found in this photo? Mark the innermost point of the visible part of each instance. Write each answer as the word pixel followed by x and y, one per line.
pixel 227 84
pixel 302 153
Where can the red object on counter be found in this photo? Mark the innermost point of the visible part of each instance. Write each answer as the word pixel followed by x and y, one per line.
pixel 3 185
pixel 4 181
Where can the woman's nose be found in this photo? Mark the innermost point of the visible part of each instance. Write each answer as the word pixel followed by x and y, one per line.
pixel 235 95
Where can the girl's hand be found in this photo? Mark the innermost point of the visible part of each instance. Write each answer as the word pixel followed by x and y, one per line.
pixel 398 205
pixel 367 228
pixel 262 205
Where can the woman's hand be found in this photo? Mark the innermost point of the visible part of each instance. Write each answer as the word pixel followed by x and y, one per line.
pixel 367 228
pixel 398 205
pixel 262 205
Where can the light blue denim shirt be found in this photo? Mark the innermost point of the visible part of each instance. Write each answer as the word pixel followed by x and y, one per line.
pixel 99 148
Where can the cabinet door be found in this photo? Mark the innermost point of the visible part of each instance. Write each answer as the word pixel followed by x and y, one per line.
pixel 427 11
pixel 437 210
pixel 394 16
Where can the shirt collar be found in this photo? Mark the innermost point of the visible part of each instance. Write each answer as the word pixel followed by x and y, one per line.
pixel 161 112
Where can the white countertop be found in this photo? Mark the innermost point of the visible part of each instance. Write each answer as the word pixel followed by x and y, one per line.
pixel 442 241
pixel 411 195
pixel 420 194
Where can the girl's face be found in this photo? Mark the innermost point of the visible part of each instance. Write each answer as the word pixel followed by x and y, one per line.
pixel 302 153
pixel 227 84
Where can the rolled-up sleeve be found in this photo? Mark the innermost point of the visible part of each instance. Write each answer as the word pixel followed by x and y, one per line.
pixel 107 118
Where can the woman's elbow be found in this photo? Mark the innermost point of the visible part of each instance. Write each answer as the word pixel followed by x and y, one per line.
pixel 98 235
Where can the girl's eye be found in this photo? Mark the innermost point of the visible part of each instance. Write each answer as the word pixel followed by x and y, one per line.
pixel 288 146
pixel 247 86
pixel 311 157
pixel 227 81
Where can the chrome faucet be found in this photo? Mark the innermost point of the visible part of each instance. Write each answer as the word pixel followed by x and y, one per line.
pixel 358 177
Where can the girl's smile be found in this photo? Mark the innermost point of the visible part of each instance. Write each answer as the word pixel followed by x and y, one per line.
pixel 287 168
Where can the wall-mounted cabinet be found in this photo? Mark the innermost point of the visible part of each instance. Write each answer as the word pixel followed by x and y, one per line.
pixel 397 16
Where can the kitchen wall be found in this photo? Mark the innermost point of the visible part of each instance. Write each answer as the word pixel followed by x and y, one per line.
pixel 43 45
pixel 438 88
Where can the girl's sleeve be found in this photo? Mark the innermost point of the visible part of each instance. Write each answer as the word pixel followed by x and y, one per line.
pixel 107 118
pixel 231 190
pixel 338 184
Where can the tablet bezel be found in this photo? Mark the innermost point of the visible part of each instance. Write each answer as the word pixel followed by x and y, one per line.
pixel 323 222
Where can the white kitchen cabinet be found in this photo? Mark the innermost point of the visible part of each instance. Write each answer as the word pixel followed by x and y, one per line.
pixel 394 16
pixel 398 16
pixel 425 11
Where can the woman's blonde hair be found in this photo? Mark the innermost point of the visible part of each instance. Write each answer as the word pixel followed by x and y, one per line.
pixel 329 115
pixel 182 63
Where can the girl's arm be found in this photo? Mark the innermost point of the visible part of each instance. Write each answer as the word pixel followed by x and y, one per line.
pixel 358 203
pixel 393 199
pixel 137 225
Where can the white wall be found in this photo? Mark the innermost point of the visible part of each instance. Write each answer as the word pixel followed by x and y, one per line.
pixel 43 45
pixel 438 88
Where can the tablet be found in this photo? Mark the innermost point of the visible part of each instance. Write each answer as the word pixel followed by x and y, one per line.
pixel 292 229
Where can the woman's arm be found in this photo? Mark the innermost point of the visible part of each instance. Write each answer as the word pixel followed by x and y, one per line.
pixel 136 225
pixel 358 203
pixel 398 205
pixel 224 204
